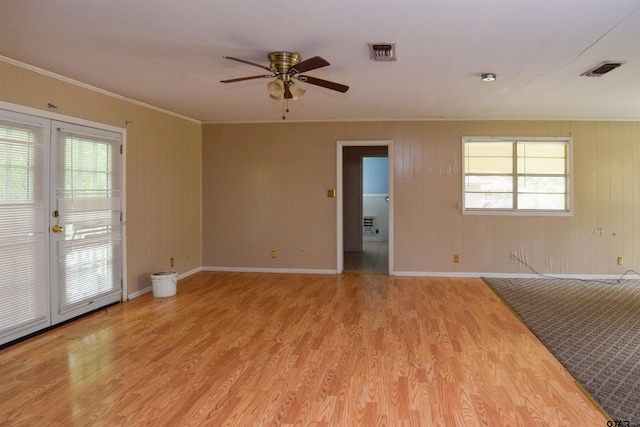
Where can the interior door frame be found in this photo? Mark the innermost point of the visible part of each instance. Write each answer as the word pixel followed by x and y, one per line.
pixel 340 189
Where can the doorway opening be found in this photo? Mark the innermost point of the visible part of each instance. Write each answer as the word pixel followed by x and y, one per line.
pixel 365 207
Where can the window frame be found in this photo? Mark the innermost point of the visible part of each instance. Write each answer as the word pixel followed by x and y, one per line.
pixel 568 140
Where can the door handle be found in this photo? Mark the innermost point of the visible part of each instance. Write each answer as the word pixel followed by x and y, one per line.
pixel 57 229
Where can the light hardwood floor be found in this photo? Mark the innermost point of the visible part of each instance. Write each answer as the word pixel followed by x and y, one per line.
pixel 240 349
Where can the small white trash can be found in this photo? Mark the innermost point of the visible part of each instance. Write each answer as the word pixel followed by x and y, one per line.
pixel 164 283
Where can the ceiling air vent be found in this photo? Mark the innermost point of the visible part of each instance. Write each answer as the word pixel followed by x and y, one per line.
pixel 602 69
pixel 382 51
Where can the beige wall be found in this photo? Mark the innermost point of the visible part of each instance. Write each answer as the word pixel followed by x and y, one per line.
pixel 226 195
pixel 264 188
pixel 163 194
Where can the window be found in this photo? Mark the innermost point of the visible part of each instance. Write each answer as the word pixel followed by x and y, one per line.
pixel 517 176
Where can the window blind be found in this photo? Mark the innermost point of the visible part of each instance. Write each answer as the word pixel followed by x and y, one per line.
pixel 517 175
pixel 23 228
pixel 88 190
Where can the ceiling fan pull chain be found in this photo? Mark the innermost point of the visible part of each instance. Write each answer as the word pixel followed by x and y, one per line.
pixel 285 108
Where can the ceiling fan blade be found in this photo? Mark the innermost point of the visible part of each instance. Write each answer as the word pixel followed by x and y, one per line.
pixel 239 79
pixel 309 64
pixel 248 62
pixel 324 83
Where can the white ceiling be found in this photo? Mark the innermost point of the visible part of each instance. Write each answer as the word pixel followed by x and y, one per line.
pixel 169 54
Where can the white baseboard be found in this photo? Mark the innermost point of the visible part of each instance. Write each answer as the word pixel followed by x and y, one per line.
pixel 395 273
pixel 189 273
pixel 436 274
pixel 514 275
pixel 562 276
pixel 270 270
pixel 141 292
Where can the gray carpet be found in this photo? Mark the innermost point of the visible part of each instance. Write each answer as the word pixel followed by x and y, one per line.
pixel 592 328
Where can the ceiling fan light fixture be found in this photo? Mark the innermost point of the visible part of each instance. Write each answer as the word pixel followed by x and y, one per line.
pixel 276 89
pixel 296 91
pixel 277 92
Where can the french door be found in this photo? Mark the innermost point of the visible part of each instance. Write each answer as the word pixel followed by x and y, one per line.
pixel 60 222
pixel 85 218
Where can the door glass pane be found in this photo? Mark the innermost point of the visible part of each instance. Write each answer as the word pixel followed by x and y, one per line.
pixel 23 229
pixel 90 270
pixel 88 197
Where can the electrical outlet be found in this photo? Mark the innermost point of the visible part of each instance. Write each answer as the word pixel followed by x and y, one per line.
pixel 171 262
pixel 274 254
pixel 619 260
pixel 456 258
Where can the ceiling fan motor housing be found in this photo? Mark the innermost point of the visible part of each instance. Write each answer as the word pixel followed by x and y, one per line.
pixel 281 62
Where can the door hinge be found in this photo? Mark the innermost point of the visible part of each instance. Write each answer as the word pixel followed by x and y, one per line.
pixel 120 148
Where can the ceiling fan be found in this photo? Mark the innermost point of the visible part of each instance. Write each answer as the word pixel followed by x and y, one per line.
pixel 284 67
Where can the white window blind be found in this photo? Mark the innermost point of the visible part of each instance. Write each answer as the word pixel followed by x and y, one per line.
pixel 24 299
pixel 88 192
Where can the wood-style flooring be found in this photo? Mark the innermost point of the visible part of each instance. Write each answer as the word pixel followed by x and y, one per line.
pixel 241 349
